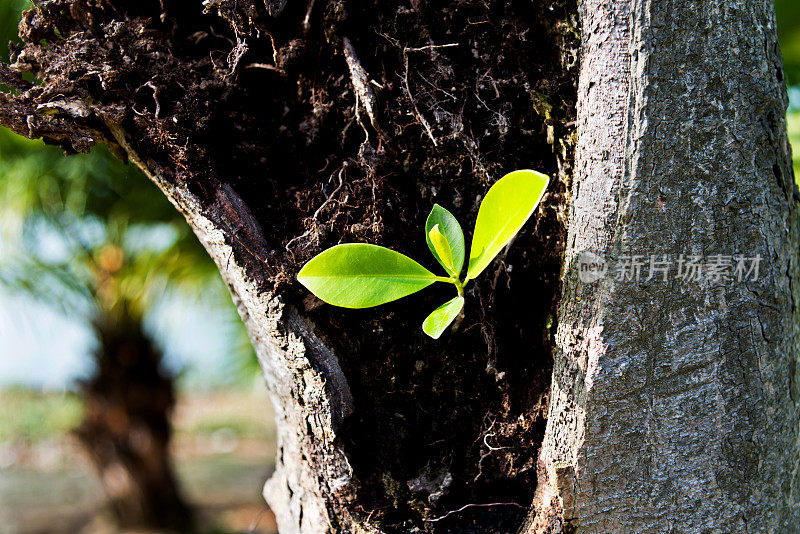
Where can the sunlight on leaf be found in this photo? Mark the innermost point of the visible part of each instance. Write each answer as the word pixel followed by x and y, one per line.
pixel 442 248
pixel 505 209
pixel 451 230
pixel 438 321
pixel 359 275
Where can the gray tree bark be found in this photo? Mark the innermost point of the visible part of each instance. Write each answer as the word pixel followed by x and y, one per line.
pixel 674 404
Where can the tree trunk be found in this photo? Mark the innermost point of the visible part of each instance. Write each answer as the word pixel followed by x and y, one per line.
pixel 674 404
pixel 280 128
pixel 126 428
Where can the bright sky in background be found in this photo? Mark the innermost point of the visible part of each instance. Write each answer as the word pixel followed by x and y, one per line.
pixel 42 348
pixel 38 346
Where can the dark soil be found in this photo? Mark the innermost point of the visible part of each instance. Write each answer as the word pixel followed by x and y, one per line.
pixel 461 92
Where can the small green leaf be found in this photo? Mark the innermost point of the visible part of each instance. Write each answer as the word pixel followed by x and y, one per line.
pixel 442 248
pixel 440 318
pixel 505 209
pixel 359 275
pixel 451 230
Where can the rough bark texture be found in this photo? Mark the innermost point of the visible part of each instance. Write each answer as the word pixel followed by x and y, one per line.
pixel 280 128
pixel 674 404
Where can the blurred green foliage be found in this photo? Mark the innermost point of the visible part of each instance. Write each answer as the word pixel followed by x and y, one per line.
pixel 788 15
pixel 794 137
pixel 9 19
pixel 31 416
pixel 88 228
pixel 92 235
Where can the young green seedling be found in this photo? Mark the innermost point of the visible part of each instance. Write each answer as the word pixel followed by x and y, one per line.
pixel 360 275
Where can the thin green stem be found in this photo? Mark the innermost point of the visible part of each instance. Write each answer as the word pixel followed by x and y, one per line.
pixel 455 281
pixel 459 287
